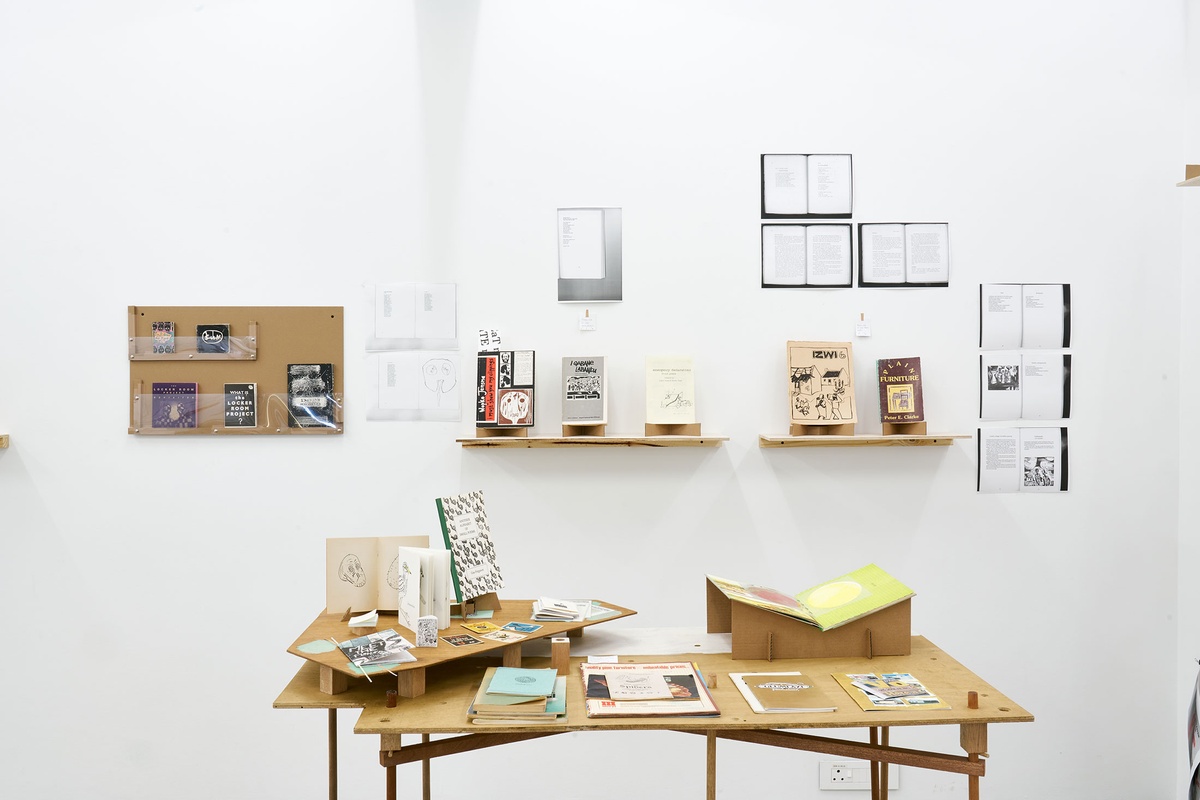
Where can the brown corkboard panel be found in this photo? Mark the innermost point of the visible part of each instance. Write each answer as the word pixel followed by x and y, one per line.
pixel 262 342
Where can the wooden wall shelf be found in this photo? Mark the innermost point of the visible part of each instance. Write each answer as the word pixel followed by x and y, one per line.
pixel 859 440
pixel 529 442
pixel 1191 174
pixel 3 440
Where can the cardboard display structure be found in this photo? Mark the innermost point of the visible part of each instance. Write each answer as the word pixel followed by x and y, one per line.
pixel 762 634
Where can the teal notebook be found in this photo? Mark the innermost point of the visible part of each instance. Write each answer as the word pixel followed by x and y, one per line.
pixel 523 682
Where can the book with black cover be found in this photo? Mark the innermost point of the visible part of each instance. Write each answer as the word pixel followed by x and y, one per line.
pixel 173 405
pixel 212 338
pixel 310 396
pixel 241 405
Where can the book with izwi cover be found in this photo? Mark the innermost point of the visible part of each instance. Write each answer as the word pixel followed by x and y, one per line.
pixel 821 383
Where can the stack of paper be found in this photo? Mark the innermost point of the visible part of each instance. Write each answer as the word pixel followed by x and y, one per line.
pixel 515 695
pixel 548 608
pixel 646 690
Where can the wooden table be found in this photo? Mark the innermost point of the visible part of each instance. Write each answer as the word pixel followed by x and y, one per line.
pixel 442 710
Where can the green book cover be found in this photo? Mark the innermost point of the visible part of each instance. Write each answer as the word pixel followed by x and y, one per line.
pixel 523 682
pixel 853 595
pixel 446 538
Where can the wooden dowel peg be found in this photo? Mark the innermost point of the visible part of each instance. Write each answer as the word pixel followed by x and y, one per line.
pixel 972 699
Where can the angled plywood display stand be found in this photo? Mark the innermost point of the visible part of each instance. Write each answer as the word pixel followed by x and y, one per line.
pixel 263 341
pixel 761 634
pixel 316 643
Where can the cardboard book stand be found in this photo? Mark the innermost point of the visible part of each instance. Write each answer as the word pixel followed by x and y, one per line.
pixel 762 634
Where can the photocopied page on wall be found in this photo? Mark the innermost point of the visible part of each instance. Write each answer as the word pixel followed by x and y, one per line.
pixel 581 243
pixel 806 255
pixel 927 253
pixel 413 316
pixel 1013 385
pixel 830 188
pixel 881 253
pixel 1045 315
pixel 1022 460
pixel 785 184
pixel 999 316
pixel 415 385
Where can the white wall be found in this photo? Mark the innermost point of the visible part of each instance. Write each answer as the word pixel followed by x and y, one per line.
pixel 221 153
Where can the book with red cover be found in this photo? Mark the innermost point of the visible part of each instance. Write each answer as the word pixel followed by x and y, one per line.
pixel 900 396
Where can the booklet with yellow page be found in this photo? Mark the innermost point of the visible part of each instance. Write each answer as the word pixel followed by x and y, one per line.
pixel 828 605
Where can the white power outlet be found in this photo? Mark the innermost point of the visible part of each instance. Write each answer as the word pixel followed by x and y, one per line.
pixel 853 776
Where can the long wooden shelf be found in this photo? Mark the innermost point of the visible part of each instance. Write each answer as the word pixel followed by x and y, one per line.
pixel 860 440
pixel 529 442
pixel 1191 174
pixel 3 440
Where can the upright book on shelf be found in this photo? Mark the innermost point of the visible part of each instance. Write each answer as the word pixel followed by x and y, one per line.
pixel 584 390
pixel 670 390
pixel 241 405
pixel 173 404
pixel 469 539
pixel 821 383
pixel 311 403
pixel 901 399
pixel 797 185
pixel 504 384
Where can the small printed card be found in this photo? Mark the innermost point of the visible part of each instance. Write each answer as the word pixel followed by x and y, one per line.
pixel 521 627
pixel 480 627
pixel 461 640
pixel 504 636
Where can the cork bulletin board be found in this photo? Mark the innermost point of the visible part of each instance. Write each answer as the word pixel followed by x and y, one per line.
pixel 235 370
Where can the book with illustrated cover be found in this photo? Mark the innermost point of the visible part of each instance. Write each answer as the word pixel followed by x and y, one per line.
pixel 363 573
pixel 821 383
pixel 173 405
pixel 468 537
pixel 887 691
pixel 423 585
pixel 670 390
pixel 379 649
pixel 241 405
pixel 585 390
pixel 504 389
pixel 689 694
pixel 163 334
pixel 900 396
pixel 780 692
pixel 828 605
pixel 212 338
pixel 311 403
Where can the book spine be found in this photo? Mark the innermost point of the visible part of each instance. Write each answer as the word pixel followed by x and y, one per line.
pixel 446 538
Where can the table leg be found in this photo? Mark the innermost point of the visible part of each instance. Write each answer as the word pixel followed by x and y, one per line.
pixel 884 738
pixel 711 760
pixel 331 735
pixel 424 770
pixel 973 738
pixel 390 790
pixel 875 767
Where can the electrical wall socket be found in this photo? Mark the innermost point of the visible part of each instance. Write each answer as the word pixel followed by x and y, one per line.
pixel 853 776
